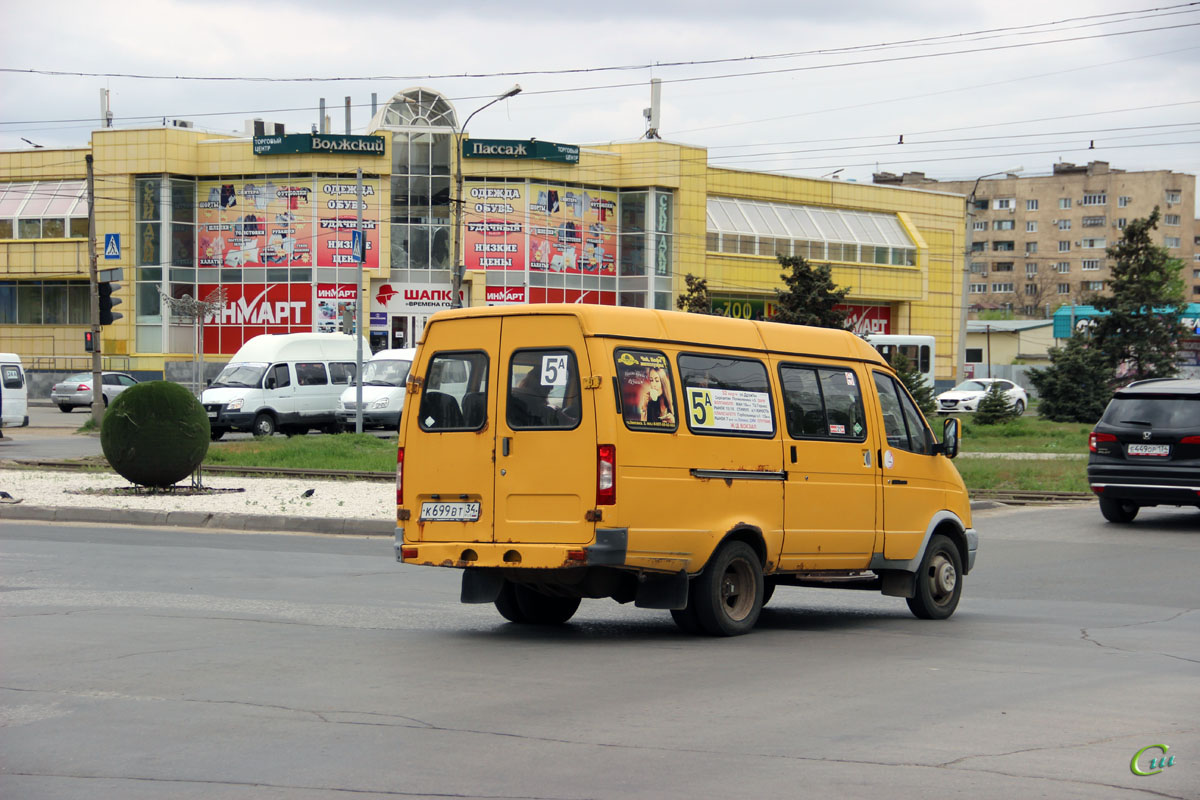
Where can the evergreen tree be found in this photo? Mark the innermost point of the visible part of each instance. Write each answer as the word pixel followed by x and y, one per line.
pixel 810 296
pixel 695 299
pixel 1142 330
pixel 914 381
pixel 994 407
pixel 1076 385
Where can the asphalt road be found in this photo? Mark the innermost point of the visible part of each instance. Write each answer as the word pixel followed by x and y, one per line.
pixel 139 663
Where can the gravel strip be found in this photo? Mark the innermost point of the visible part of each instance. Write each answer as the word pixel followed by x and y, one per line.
pixel 274 497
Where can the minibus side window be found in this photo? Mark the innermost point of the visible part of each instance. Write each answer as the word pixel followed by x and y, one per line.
pixel 311 374
pixel 341 372
pixel 454 395
pixel 543 390
pixel 902 422
pixel 12 378
pixel 278 377
pixel 647 390
pixel 823 403
pixel 726 396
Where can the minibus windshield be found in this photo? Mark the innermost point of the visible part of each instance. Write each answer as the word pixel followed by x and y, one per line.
pixel 386 372
pixel 244 374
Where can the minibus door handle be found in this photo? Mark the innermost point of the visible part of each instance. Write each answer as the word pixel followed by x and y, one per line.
pixel 505 443
pixel 866 458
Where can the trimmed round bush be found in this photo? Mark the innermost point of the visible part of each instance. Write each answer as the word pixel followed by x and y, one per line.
pixel 155 433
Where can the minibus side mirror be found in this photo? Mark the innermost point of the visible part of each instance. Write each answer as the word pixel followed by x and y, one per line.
pixel 949 444
pixel 270 382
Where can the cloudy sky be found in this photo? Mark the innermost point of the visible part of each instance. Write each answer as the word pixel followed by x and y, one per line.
pixel 798 87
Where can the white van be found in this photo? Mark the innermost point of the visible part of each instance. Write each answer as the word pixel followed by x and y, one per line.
pixel 14 392
pixel 286 382
pixel 382 391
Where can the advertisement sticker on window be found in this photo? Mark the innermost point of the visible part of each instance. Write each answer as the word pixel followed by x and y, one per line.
pixel 647 393
pixel 729 410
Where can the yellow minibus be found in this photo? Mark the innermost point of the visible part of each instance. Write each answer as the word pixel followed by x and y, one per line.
pixel 677 461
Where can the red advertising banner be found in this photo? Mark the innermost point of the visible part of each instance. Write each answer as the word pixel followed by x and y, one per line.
pixel 254 223
pixel 572 230
pixel 867 319
pixel 539 294
pixel 337 218
pixel 253 309
pixel 494 223
pixel 332 300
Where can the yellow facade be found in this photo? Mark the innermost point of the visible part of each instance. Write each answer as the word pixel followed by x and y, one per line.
pixel 924 297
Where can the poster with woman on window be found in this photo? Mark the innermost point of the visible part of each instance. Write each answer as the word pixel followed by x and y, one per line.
pixel 647 392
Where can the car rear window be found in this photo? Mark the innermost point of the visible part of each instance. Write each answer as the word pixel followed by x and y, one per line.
pixel 1154 412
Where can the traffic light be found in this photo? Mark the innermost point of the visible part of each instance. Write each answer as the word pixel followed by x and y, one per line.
pixel 107 301
pixel 89 345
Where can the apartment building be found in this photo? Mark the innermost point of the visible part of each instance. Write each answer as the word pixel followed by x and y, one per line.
pixel 1039 242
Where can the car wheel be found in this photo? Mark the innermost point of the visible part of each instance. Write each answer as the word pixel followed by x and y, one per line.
pixel 216 433
pixel 104 397
pixel 729 591
pixel 1019 407
pixel 939 581
pixel 264 425
pixel 1118 510
pixel 66 409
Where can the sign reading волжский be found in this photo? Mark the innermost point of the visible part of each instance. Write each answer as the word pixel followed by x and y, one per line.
pixel 520 148
pixel 334 144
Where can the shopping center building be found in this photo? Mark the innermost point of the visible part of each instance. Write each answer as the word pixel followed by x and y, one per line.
pixel 263 226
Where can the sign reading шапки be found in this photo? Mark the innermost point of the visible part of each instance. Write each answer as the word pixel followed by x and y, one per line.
pixel 520 148
pixel 334 144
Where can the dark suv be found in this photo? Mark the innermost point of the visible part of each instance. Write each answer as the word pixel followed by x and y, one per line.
pixel 1145 450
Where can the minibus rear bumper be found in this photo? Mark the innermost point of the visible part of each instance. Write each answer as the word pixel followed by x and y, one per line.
pixel 608 549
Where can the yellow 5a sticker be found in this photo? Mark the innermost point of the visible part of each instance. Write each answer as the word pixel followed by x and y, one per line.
pixel 729 410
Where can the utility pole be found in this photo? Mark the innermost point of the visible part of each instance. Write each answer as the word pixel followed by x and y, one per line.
pixel 360 256
pixel 94 295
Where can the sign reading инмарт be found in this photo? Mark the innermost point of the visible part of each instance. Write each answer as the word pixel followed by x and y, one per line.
pixel 520 148
pixel 331 143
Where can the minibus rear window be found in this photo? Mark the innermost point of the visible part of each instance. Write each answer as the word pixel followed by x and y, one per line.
pixel 455 393
pixel 822 403
pixel 12 378
pixel 726 396
pixel 647 392
pixel 543 390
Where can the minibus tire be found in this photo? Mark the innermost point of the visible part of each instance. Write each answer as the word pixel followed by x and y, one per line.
pixel 264 425
pixel 729 591
pixel 768 590
pixel 507 605
pixel 685 618
pixel 932 598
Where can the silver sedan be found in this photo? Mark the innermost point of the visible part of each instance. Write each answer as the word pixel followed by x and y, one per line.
pixel 76 390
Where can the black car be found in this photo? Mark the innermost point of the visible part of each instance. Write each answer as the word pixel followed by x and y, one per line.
pixel 1145 450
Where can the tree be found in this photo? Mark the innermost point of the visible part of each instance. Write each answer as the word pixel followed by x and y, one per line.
pixel 810 296
pixel 914 381
pixel 1142 330
pixel 994 407
pixel 695 299
pixel 1077 385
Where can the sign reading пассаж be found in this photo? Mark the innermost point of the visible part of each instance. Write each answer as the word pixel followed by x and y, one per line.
pixel 520 148
pixel 318 143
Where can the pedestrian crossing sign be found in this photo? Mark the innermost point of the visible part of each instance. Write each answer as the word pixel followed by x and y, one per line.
pixel 112 245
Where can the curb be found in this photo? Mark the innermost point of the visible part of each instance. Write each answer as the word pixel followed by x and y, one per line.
pixel 333 526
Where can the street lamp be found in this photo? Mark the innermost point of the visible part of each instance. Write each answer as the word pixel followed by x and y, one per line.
pixel 456 264
pixel 962 327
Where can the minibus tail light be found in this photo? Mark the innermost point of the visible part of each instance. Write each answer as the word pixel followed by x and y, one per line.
pixel 400 477
pixel 606 475
pixel 1094 437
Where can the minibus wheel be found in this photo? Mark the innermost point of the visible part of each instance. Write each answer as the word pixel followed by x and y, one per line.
pixel 264 425
pixel 939 581
pixel 729 591
pixel 685 618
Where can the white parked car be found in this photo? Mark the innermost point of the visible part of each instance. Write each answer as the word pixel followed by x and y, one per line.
pixel 966 396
